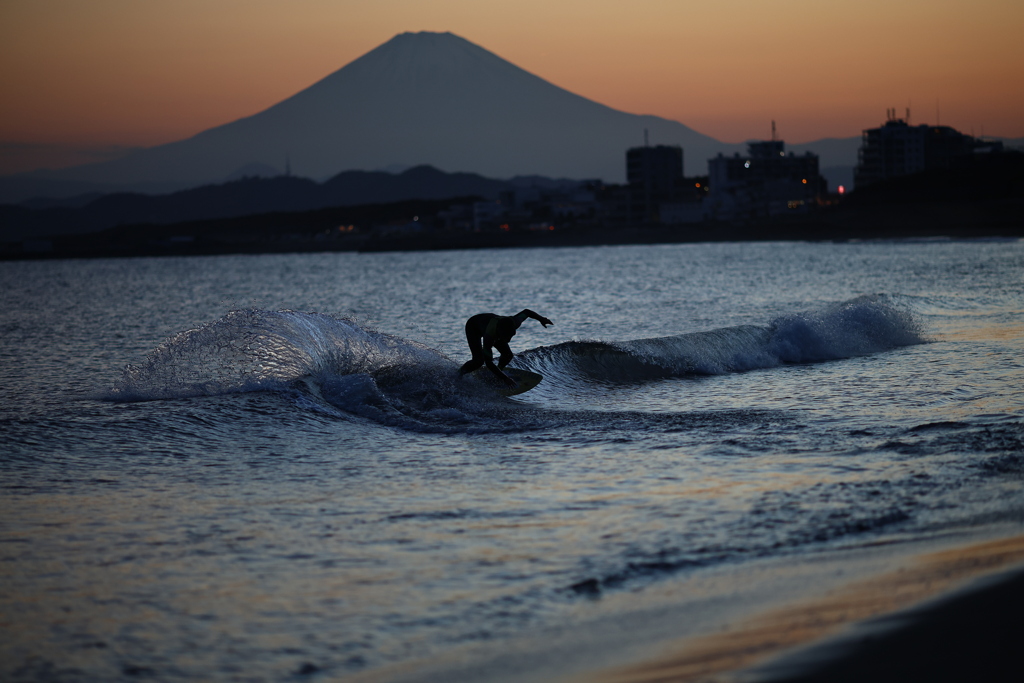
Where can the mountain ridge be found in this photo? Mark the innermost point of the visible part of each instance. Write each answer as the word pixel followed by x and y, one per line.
pixel 419 98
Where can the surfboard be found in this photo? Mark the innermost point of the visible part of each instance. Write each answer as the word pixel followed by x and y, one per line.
pixel 525 380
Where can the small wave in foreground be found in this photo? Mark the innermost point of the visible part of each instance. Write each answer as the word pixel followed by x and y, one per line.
pixel 394 381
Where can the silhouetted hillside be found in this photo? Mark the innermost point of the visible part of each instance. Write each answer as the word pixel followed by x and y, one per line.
pixel 981 197
pixel 246 197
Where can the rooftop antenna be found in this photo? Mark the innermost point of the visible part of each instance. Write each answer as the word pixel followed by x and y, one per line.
pixel 773 130
pixel 645 137
pixel 908 115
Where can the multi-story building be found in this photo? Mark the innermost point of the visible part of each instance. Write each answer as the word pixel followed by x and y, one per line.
pixel 654 176
pixel 766 182
pixel 897 149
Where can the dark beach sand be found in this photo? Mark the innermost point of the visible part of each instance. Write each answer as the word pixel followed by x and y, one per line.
pixel 955 615
pixel 975 635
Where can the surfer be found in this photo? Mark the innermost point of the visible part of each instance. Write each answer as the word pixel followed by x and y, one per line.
pixel 487 331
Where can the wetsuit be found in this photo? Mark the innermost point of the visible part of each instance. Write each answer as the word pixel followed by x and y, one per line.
pixel 487 331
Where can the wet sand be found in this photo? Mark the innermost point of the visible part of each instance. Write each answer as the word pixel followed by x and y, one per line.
pixel 951 615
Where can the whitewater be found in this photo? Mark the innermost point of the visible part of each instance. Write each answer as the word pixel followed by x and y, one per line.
pixel 268 467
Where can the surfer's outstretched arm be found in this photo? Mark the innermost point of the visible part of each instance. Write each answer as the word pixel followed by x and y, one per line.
pixel 527 313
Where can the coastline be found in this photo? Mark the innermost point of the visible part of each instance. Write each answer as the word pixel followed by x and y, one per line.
pixel 318 231
pixel 973 634
pixel 760 622
pixel 935 617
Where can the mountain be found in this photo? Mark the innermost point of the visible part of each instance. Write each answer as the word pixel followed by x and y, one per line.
pixel 420 98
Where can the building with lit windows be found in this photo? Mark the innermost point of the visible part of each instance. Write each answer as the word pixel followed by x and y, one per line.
pixel 766 182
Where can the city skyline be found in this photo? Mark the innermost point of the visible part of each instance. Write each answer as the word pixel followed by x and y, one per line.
pixel 82 80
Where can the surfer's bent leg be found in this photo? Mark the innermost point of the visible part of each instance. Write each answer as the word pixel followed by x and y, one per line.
pixel 506 354
pixel 478 359
pixel 470 366
pixel 474 337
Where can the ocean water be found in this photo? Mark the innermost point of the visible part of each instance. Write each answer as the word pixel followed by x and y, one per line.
pixel 267 468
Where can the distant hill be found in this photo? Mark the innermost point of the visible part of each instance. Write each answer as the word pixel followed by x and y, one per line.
pixel 249 196
pixel 420 98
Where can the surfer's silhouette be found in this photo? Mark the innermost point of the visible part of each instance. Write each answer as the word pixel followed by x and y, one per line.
pixel 486 331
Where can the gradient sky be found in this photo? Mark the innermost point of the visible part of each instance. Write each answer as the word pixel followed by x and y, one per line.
pixel 90 76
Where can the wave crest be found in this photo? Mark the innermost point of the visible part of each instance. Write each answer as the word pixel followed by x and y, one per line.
pixel 254 349
pixel 338 364
pixel 862 326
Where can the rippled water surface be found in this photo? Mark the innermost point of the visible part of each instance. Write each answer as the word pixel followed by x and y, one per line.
pixel 263 467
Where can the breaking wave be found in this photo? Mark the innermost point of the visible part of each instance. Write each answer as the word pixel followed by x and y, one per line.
pixel 338 364
pixel 862 326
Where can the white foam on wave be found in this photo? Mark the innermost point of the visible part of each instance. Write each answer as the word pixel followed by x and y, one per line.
pixel 339 364
pixel 255 349
pixel 861 326
pixel 329 363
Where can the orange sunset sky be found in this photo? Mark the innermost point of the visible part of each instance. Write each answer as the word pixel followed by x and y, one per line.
pixel 79 78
